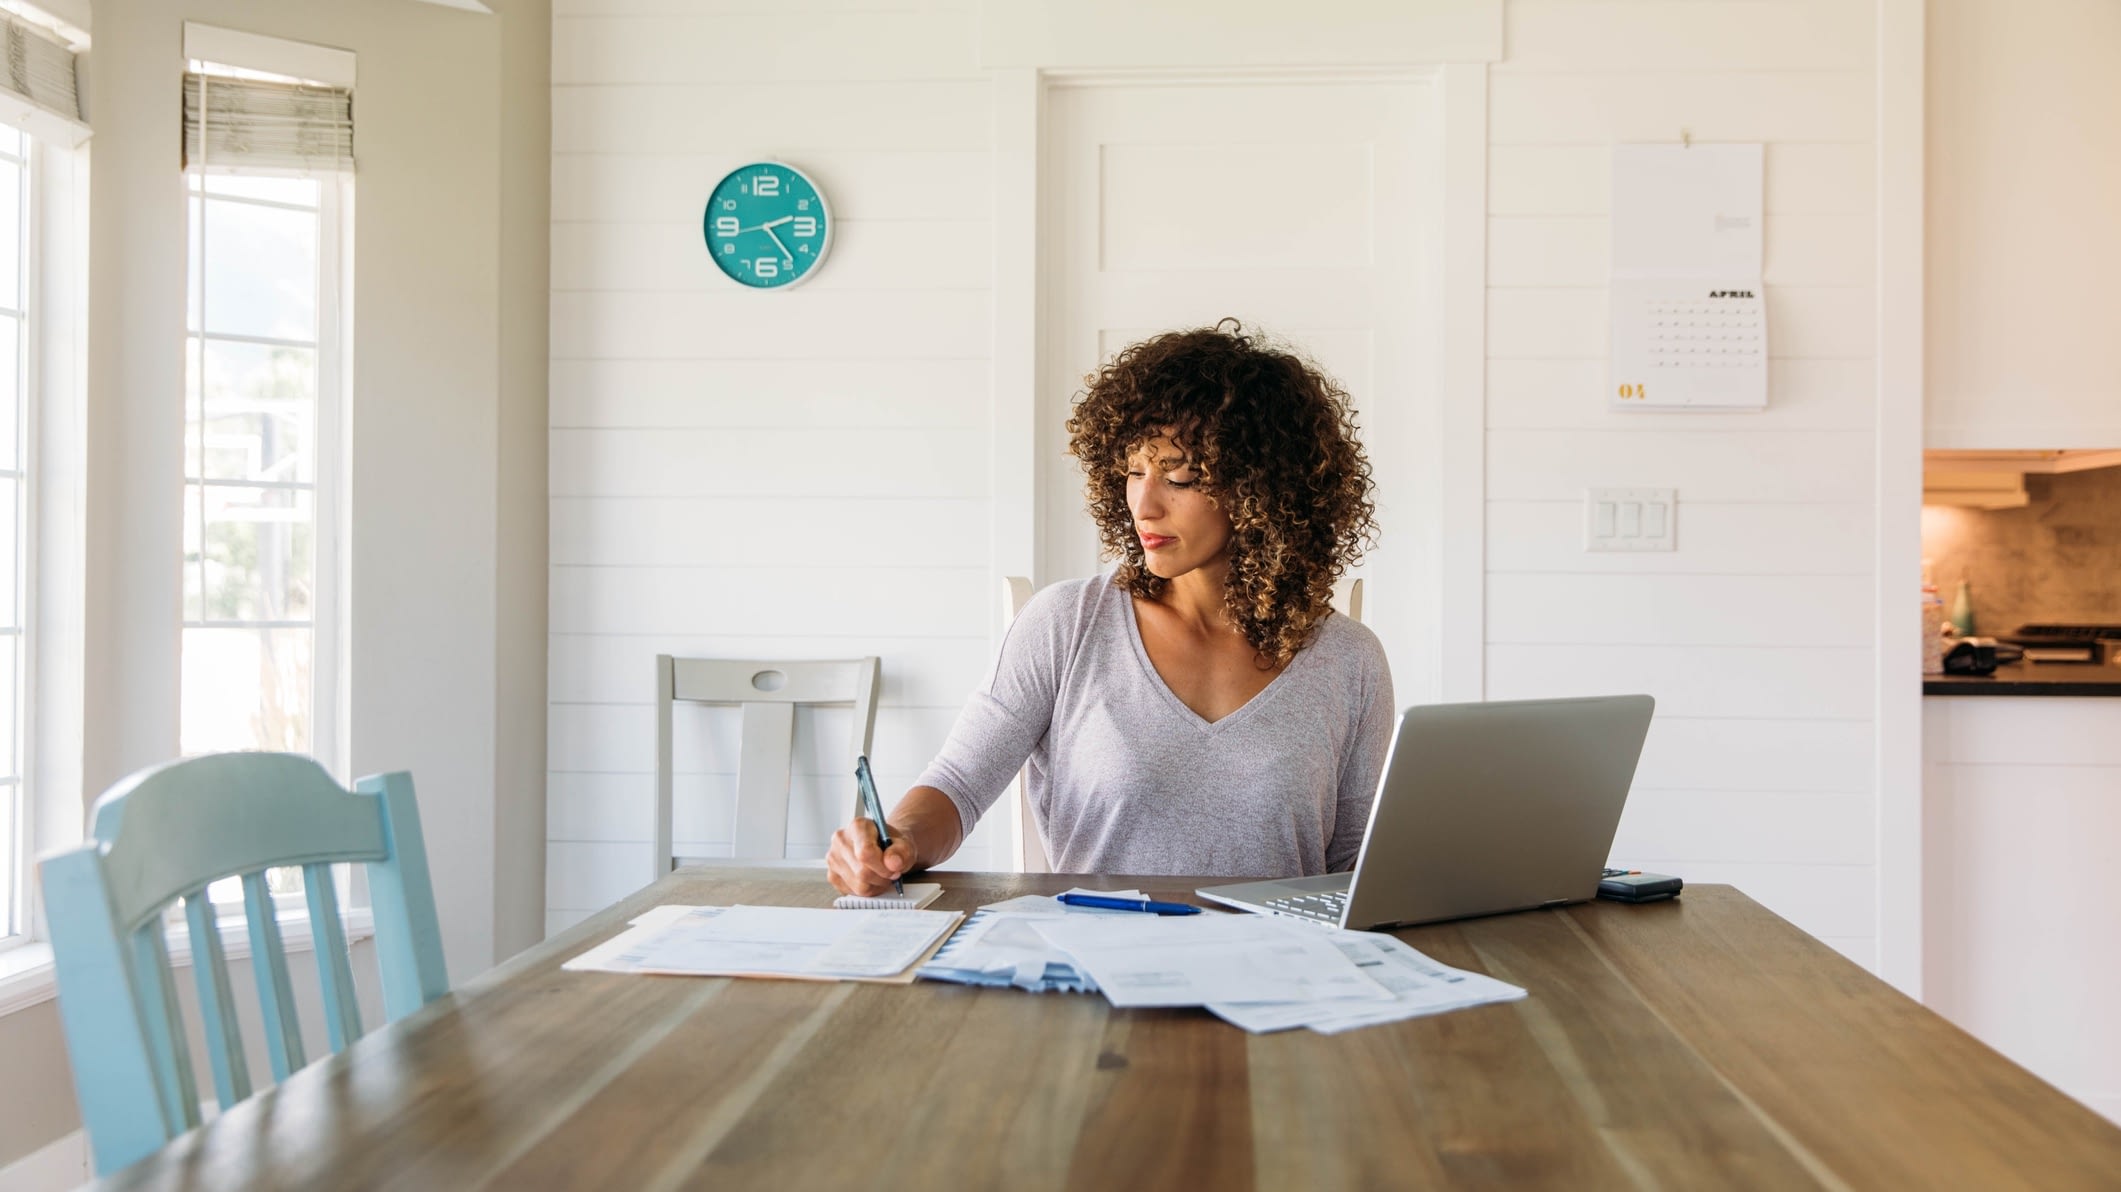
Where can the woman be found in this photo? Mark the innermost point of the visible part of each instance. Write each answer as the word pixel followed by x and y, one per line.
pixel 1198 709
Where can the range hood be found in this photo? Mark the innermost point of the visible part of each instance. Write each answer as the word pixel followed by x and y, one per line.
pixel 1996 479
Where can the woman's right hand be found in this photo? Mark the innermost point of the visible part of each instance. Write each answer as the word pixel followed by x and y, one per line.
pixel 855 865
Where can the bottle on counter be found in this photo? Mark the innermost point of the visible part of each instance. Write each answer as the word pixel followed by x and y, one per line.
pixel 1963 609
pixel 1933 619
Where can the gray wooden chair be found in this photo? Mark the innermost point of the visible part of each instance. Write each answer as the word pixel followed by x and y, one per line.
pixel 1029 837
pixel 768 692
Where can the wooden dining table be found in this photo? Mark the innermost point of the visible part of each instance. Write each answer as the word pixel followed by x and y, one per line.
pixel 1696 1043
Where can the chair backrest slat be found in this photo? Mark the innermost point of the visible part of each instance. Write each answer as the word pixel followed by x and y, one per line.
pixel 342 1016
pixel 736 681
pixel 105 1033
pixel 866 681
pixel 217 1003
pixel 268 963
pixel 401 894
pixel 760 825
pixel 661 859
pixel 157 994
pixel 168 833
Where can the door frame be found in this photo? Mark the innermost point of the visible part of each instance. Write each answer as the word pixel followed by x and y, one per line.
pixel 1896 619
pixel 1452 517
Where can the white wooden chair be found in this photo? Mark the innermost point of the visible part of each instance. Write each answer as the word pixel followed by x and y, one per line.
pixel 1030 838
pixel 1030 847
pixel 768 692
pixel 1347 597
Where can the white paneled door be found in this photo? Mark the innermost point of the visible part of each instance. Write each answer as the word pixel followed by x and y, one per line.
pixel 1294 206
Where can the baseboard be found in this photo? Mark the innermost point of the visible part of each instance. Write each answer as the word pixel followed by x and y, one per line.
pixel 55 1167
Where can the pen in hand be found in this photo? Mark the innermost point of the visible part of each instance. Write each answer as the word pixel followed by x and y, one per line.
pixel 873 808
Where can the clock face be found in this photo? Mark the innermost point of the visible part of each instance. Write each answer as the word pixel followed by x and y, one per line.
pixel 767 226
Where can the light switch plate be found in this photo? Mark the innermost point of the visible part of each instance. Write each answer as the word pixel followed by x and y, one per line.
pixel 1630 519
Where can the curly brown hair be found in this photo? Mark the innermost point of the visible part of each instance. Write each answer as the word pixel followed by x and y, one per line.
pixel 1273 439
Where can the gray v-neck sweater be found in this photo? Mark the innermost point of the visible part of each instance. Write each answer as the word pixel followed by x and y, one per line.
pixel 1125 778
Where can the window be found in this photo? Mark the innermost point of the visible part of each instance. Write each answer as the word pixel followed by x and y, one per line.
pixel 267 163
pixel 260 441
pixel 15 553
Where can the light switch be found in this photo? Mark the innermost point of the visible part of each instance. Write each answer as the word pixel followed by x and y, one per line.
pixel 1629 519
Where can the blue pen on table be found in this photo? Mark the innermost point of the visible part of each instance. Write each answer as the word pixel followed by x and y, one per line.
pixel 873 807
pixel 1147 905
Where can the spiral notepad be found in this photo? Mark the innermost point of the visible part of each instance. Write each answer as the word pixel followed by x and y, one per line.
pixel 917 895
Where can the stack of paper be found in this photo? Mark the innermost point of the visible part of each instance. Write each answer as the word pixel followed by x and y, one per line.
pixel 998 947
pixel 773 941
pixel 1000 950
pixel 1418 986
pixel 1266 974
pixel 1151 960
pixel 1253 971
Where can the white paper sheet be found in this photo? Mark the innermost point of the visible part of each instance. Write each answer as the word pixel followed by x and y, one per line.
pixel 1687 308
pixel 999 946
pixel 1688 211
pixel 1004 945
pixel 643 928
pixel 774 941
pixel 670 912
pixel 1050 905
pixel 1143 960
pixel 1129 895
pixel 1418 984
pixel 798 941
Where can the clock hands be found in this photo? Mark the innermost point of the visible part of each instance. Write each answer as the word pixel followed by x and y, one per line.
pixel 767 228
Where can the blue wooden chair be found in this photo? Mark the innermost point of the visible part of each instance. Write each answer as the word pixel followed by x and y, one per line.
pixel 164 834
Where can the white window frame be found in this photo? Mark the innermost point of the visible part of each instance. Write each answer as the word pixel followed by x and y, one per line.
pixel 19 928
pixel 56 297
pixel 217 50
pixel 329 664
pixel 327 742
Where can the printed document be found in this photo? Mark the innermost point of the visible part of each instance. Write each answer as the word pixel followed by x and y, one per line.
pixel 1419 985
pixel 752 941
pixel 999 947
pixel 1152 960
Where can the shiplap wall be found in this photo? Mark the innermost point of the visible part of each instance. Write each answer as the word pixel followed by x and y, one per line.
pixel 833 439
pixel 781 475
pixel 1755 634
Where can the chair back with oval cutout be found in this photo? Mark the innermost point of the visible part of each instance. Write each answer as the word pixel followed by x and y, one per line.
pixel 768 693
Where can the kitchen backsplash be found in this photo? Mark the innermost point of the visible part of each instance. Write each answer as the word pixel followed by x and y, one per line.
pixel 2057 558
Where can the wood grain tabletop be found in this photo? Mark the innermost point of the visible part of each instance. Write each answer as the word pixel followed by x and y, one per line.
pixel 1689 1044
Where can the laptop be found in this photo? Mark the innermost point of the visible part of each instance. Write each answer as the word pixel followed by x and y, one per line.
pixel 1483 808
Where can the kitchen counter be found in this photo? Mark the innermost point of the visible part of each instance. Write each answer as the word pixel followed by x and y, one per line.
pixel 2031 678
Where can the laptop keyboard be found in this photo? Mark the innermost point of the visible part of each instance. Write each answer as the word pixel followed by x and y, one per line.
pixel 1331 906
pixel 1327 907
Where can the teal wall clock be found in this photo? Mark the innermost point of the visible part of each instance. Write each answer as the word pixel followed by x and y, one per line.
pixel 767 226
